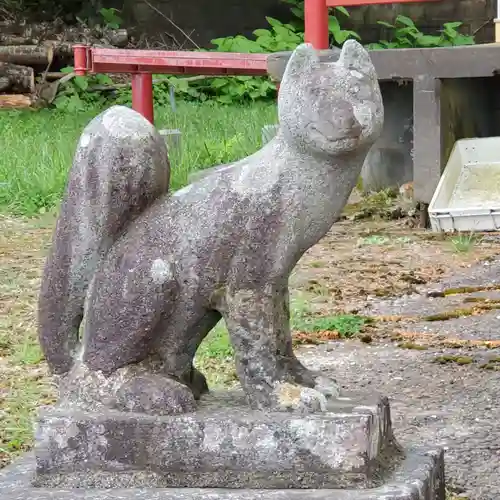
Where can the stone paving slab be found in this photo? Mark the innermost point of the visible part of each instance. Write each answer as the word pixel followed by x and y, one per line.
pixel 420 477
pixel 222 444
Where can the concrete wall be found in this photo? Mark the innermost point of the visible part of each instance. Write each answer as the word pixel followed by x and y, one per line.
pixel 390 162
pixel 469 107
pixel 204 20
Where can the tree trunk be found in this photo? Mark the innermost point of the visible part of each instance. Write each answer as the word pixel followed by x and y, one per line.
pixel 35 31
pixel 7 39
pixel 27 54
pixel 16 78
pixel 15 101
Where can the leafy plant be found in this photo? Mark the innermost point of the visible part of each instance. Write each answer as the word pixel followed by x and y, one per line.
pixel 405 34
pixel 339 34
pixel 75 95
pixel 110 17
pixel 279 37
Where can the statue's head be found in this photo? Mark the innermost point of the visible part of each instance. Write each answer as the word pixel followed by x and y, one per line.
pixel 330 108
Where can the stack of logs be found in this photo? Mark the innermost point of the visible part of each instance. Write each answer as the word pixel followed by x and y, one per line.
pixel 29 53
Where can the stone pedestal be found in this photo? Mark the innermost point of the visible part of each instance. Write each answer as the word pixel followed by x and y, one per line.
pixel 224 451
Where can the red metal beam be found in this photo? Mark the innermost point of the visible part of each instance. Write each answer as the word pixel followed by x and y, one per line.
pixel 98 60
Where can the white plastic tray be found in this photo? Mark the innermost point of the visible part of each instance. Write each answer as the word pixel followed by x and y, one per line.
pixel 467 197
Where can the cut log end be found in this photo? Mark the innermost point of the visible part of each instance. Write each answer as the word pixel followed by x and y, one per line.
pixel 14 78
pixel 15 101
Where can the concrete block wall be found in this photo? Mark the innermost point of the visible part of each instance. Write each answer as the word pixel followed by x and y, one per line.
pixel 202 19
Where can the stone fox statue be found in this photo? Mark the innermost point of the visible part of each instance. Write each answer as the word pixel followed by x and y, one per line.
pixel 148 274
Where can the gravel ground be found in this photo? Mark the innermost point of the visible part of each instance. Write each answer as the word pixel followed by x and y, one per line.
pixel 450 405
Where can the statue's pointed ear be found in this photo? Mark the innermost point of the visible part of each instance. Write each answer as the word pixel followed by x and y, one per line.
pixel 355 57
pixel 301 62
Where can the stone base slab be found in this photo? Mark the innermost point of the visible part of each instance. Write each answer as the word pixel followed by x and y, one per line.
pixel 221 445
pixel 419 477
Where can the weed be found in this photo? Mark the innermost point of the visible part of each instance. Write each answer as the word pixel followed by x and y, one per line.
pixel 459 360
pixel 404 34
pixel 412 346
pixel 374 239
pixel 346 325
pixel 463 243
pixel 380 240
pixel 275 37
pixel 217 344
pixel 110 18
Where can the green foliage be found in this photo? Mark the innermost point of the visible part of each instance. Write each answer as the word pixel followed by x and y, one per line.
pixel 219 153
pixel 279 37
pixel 110 17
pixel 346 325
pixel 285 37
pixel 338 34
pixel 230 90
pixel 404 34
pixel 217 345
pixel 74 95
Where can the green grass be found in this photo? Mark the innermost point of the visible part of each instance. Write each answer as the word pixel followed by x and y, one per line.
pixel 346 325
pixel 37 147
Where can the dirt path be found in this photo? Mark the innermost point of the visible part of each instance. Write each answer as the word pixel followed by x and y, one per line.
pixel 435 344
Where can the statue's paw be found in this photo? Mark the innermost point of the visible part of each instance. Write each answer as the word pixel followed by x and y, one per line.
pixel 297 398
pixel 154 394
pixel 327 386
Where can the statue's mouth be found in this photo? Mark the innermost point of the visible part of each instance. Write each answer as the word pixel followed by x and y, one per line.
pixel 351 134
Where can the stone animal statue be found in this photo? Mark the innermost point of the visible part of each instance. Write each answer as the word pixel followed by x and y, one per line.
pixel 137 277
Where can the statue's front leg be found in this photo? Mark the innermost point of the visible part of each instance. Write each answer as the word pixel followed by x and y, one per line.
pixel 255 321
pixel 295 369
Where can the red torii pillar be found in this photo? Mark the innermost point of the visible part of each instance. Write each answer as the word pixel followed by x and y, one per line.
pixel 316 17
